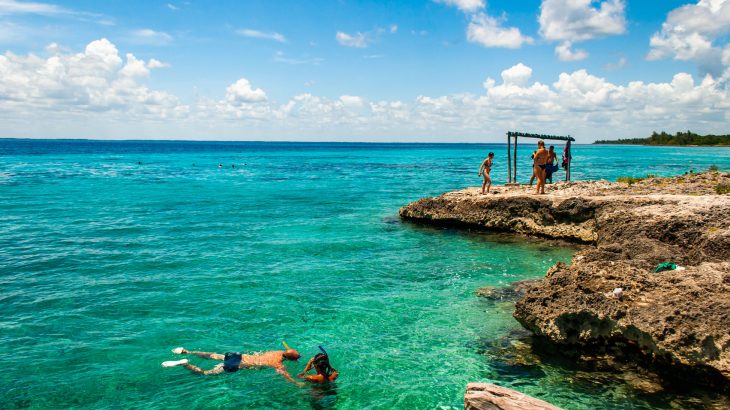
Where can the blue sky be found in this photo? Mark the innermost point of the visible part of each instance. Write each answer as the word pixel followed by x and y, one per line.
pixel 443 70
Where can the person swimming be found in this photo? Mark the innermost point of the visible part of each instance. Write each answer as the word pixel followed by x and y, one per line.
pixel 234 361
pixel 321 364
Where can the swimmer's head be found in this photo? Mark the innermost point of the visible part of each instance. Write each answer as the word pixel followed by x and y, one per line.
pixel 541 143
pixel 321 363
pixel 491 155
pixel 291 354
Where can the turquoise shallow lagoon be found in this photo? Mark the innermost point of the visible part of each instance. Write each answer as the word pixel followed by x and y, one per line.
pixel 113 253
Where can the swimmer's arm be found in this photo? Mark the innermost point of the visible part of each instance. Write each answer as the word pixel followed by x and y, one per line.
pixel 481 168
pixel 306 369
pixel 282 371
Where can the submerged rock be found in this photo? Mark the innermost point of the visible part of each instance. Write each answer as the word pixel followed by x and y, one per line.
pixel 486 396
pixel 514 291
pixel 670 320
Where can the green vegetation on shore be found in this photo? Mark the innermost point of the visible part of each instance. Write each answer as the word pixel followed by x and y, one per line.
pixel 680 138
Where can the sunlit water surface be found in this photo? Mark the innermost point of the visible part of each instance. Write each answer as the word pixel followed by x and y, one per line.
pixel 113 253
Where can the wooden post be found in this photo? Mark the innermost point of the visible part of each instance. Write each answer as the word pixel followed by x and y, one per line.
pixel 515 154
pixel 569 161
pixel 509 160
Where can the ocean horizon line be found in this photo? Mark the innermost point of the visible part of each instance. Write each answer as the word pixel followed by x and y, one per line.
pixel 283 141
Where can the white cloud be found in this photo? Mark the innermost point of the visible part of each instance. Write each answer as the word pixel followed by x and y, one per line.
pixel 281 57
pixel 577 103
pixel 566 53
pixel 580 20
pixel 359 40
pixel 571 21
pixel 517 75
pixel 485 30
pixel 15 7
pixel 172 7
pixel 689 33
pixel 393 28
pixel 95 80
pixel 153 63
pixel 351 101
pixel 467 6
pixel 263 35
pixel 100 93
pixel 241 92
pixel 621 63
pixel 151 37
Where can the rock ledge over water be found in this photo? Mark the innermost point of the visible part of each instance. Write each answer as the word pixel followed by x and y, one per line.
pixel 677 319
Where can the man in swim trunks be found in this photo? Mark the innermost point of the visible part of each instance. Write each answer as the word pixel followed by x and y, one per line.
pixel 552 159
pixel 232 362
pixel 541 159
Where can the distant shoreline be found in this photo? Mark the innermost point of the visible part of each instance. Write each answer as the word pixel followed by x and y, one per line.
pixel 663 145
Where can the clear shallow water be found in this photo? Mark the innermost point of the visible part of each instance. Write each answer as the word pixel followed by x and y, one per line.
pixel 107 264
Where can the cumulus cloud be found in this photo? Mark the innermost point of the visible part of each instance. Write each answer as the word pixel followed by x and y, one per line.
pixel 517 75
pixel 262 35
pixel 99 92
pixel 689 33
pixel 486 30
pixel 151 37
pixel 566 53
pixel 351 101
pixel 577 103
pixel 241 92
pixel 570 21
pixel 95 80
pixel 359 40
pixel 467 6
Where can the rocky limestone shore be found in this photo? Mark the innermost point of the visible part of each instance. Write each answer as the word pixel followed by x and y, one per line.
pixel 678 320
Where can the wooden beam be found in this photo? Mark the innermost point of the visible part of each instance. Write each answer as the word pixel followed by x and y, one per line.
pixel 540 136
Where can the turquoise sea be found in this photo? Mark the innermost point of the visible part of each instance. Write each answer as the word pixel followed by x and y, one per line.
pixel 113 253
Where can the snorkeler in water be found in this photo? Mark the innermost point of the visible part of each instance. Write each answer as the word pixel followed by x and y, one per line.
pixel 233 361
pixel 321 364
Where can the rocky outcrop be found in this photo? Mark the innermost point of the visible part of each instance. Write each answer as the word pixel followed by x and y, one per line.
pixel 673 319
pixel 485 396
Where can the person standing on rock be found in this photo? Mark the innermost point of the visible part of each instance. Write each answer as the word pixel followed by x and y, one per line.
pixel 485 169
pixel 552 158
pixel 532 157
pixel 541 160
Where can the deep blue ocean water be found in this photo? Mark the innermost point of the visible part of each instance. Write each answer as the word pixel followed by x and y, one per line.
pixel 113 253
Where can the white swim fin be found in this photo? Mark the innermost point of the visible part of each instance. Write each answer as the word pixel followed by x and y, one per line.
pixel 172 363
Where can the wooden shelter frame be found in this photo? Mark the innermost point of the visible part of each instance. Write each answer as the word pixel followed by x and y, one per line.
pixel 512 171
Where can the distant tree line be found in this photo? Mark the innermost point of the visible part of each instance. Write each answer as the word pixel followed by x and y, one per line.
pixel 680 138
